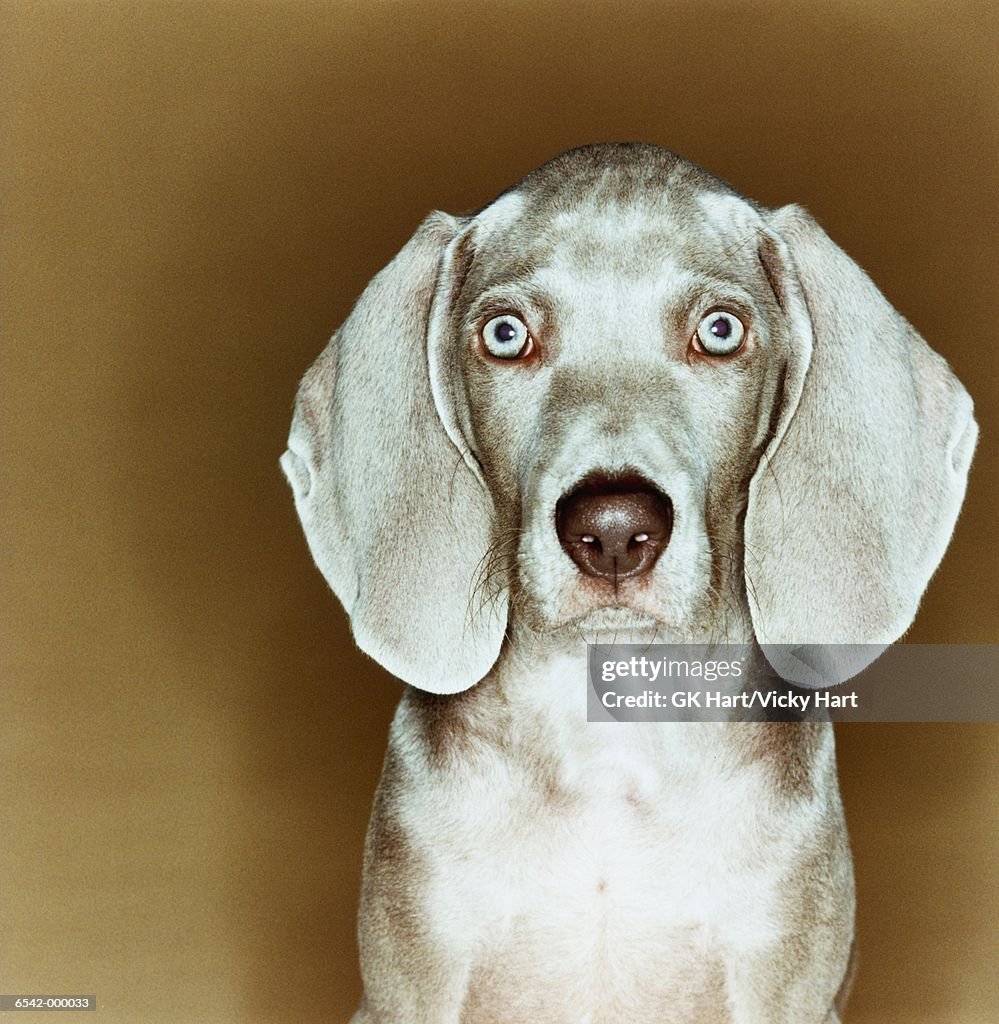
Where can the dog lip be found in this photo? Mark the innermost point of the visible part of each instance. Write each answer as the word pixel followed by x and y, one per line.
pixel 621 616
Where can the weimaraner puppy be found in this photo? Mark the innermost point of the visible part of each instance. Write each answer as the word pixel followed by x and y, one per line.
pixel 619 402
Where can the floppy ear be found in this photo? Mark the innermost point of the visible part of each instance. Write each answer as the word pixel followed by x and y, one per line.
pixel 856 497
pixel 395 520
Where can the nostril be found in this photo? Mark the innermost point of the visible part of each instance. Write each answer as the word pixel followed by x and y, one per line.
pixel 614 527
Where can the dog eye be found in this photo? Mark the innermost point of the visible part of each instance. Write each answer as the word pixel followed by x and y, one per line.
pixel 720 333
pixel 506 337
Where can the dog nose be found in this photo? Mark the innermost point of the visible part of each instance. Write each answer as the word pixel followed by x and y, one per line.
pixel 614 528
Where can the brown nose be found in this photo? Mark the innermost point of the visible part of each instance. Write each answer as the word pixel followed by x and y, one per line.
pixel 614 528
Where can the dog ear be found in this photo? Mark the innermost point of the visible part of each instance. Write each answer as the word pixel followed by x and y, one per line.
pixel 856 497
pixel 396 521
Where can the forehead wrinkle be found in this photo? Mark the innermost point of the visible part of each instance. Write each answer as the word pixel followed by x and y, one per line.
pixel 612 215
pixel 634 239
pixel 585 250
pixel 628 255
pixel 667 280
pixel 628 315
pixel 566 281
pixel 597 230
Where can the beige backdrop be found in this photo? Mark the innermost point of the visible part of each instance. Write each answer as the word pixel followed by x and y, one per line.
pixel 193 196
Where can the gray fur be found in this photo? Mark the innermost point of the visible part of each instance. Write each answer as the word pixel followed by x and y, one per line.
pixel 523 865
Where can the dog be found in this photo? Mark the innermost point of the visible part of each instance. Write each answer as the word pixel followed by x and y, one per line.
pixel 618 402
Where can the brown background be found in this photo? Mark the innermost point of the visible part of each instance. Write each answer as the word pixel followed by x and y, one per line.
pixel 194 194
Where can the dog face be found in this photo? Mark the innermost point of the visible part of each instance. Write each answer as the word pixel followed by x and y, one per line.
pixel 620 396
pixel 605 386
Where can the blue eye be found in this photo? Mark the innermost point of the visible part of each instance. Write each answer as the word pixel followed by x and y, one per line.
pixel 506 337
pixel 720 333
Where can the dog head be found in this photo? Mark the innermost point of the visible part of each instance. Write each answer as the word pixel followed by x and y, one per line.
pixel 621 396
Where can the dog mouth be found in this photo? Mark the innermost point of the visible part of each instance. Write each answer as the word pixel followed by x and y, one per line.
pixel 614 527
pixel 611 555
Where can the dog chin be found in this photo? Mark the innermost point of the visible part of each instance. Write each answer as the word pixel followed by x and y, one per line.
pixel 617 618
pixel 610 624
